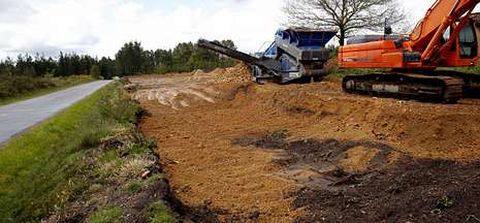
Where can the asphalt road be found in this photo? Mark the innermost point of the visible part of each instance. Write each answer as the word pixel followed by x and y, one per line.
pixel 16 118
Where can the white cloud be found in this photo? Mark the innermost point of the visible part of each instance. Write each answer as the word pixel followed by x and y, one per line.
pixel 101 27
pixel 13 10
pixel 416 9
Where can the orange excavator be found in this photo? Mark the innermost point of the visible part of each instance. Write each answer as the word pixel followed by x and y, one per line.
pixel 448 36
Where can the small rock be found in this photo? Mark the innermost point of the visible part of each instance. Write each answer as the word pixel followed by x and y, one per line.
pixel 146 174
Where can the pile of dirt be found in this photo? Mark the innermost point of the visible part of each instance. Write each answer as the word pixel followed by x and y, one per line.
pixel 284 153
pixel 177 91
pixel 240 73
pixel 180 91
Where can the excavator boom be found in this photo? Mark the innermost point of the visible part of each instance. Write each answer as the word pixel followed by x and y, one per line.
pixel 437 20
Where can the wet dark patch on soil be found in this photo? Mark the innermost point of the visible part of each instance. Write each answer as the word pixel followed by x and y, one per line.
pixel 328 151
pixel 317 163
pixel 318 154
pixel 275 140
pixel 410 190
pixel 207 214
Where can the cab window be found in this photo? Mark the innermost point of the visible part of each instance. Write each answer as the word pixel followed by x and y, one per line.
pixel 468 42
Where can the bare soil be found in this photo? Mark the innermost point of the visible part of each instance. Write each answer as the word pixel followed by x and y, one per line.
pixel 239 152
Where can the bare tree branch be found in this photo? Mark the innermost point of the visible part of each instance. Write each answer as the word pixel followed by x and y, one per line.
pixel 346 16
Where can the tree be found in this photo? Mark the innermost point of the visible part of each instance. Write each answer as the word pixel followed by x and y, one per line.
pixel 150 62
pixel 107 67
pixel 7 67
pixel 346 16
pixel 95 71
pixel 130 59
pixel 202 58
pixel 164 59
pixel 224 60
pixel 181 57
pixel 228 43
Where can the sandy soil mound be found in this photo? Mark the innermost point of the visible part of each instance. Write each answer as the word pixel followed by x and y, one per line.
pixel 307 153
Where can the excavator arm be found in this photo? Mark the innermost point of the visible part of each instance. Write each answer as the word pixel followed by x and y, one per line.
pixel 426 37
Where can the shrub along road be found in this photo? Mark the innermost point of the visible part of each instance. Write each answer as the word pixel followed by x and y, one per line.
pixel 15 118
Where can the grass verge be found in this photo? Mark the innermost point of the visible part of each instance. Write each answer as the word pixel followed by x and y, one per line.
pixel 10 94
pixel 110 214
pixel 79 166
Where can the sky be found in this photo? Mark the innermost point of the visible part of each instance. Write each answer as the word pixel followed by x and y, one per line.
pixel 101 27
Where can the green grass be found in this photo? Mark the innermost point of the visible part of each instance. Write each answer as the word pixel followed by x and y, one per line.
pixel 159 213
pixel 151 180
pixel 345 72
pixel 55 84
pixel 109 156
pixel 44 169
pixel 134 187
pixel 107 215
pixel 469 70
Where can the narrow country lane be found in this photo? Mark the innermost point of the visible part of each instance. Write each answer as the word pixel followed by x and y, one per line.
pixel 17 117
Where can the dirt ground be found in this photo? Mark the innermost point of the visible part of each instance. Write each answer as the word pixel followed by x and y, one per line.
pixel 235 151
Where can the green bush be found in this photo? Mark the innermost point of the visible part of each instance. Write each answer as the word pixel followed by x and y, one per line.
pixel 15 85
pixel 20 85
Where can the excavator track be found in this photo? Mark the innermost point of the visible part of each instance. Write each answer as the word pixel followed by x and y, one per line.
pixel 443 89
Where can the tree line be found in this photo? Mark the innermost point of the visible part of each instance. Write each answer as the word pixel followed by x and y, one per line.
pixel 131 59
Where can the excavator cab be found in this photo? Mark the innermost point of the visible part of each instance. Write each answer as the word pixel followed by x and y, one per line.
pixel 466 49
pixel 468 42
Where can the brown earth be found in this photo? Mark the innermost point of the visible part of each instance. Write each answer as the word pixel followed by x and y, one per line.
pixel 239 152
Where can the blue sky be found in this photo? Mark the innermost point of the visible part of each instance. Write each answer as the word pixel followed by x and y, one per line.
pixel 100 27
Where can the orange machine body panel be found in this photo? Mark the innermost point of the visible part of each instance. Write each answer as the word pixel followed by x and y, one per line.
pixel 384 54
pixel 377 54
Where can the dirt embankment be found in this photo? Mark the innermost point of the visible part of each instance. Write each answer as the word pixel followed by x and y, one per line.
pixel 236 151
